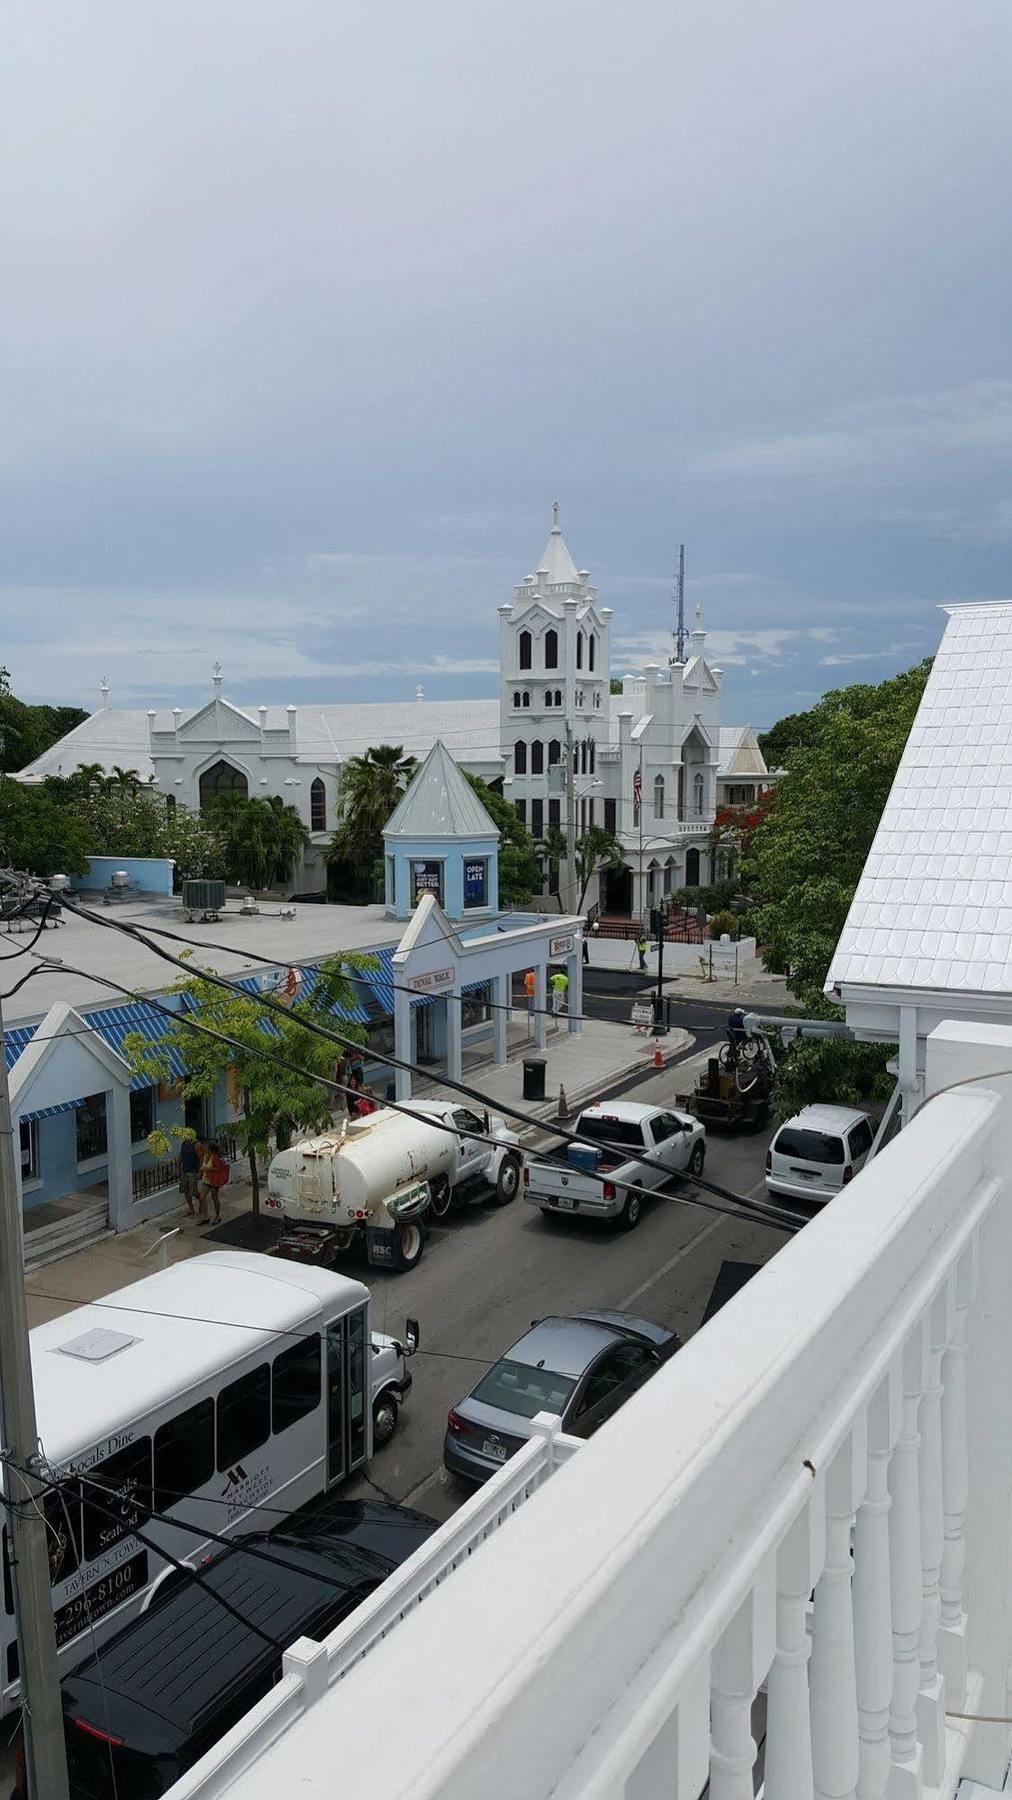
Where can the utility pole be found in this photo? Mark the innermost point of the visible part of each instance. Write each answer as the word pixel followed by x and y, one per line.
pixel 45 1746
pixel 679 634
pixel 570 823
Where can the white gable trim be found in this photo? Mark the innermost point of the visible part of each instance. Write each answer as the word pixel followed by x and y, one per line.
pixel 61 1021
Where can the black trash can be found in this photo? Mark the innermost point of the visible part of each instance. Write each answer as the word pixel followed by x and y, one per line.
pixel 534 1077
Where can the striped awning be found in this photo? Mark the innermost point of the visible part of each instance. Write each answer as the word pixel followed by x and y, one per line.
pixel 115 1024
pixel 357 1013
pixel 382 984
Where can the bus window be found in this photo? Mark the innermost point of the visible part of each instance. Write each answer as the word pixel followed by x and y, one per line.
pixel 356 1386
pixel 295 1383
pixel 244 1416
pixel 8 1583
pixel 335 1400
pixel 184 1454
pixel 126 1479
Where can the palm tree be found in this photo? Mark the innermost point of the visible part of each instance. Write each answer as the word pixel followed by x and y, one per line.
pixel 92 777
pixel 261 838
pixel 127 780
pixel 371 786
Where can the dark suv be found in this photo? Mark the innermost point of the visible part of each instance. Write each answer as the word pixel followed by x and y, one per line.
pixel 171 1683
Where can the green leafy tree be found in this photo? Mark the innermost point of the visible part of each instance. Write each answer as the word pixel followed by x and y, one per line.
pixel 615 684
pixel 519 865
pixel 261 839
pixel 27 731
pixel 597 849
pixel 371 786
pixel 274 1100
pixel 40 835
pixel 552 852
pixel 806 855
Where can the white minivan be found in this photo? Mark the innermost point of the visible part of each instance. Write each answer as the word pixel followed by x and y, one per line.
pixel 817 1152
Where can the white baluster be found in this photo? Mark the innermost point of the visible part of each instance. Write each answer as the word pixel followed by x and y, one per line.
pixel 873 1632
pixel 788 1723
pixel 740 1662
pixel 931 1694
pixel 831 1677
pixel 952 1628
pixel 905 1776
pixel 988 1574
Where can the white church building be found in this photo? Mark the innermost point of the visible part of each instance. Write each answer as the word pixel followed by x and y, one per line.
pixel 652 764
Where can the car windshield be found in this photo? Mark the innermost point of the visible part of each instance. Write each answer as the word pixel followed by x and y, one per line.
pixel 625 1132
pixel 811 1146
pixel 518 1388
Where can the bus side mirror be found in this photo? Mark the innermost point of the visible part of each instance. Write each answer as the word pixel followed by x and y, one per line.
pixel 412 1336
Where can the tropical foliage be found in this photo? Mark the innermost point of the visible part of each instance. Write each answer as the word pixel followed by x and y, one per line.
pixel 26 731
pixel 371 786
pixel 275 1065
pixel 519 865
pixel 805 858
pixel 261 839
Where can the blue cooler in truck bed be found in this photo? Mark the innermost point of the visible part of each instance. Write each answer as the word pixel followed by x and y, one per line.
pixel 583 1156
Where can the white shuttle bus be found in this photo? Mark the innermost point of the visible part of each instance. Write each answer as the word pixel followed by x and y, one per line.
pixel 222 1393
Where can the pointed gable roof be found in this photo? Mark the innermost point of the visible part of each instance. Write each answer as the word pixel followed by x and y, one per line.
pixel 556 559
pixel 439 803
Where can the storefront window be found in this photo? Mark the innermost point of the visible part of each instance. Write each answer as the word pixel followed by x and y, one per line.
pixel 142 1114
pixel 92 1135
pixel 29 1149
pixel 391 882
pixel 426 878
pixel 475 881
pixel 476 1007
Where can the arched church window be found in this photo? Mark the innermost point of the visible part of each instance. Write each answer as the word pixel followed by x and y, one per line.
pixel 220 780
pixel 597 699
pixel 558 696
pixel 526 698
pixel 318 806
pixel 593 754
pixel 537 757
pixel 548 696
pixel 591 651
pixel 516 696
pixel 692 867
pixel 170 804
pixel 579 649
pixel 525 649
pixel 520 757
pixel 551 649
pixel 659 797
pixel 697 795
pixel 554 753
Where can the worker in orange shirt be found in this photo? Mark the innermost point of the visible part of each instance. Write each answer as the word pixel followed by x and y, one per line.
pixel 529 984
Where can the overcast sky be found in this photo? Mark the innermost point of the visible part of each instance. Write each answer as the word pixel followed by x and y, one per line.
pixel 312 307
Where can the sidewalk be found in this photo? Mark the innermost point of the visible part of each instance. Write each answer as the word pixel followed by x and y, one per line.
pixel 583 1064
pixel 754 983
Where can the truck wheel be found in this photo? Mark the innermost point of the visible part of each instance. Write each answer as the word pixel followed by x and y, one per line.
pixel 697 1159
pixel 629 1217
pixel 409 1242
pixel 385 1414
pixel 507 1184
pixel 441 1194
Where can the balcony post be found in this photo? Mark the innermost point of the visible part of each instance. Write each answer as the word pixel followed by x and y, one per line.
pixel 740 1662
pixel 931 1696
pixel 832 1678
pixel 906 1780
pixel 952 1629
pixel 873 1631
pixel 788 1722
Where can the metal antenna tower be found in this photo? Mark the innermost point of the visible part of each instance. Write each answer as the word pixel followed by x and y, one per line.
pixel 679 633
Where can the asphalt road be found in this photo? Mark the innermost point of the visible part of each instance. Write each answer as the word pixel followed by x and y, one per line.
pixel 488 1271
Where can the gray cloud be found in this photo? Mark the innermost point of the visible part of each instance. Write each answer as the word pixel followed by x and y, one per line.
pixel 310 313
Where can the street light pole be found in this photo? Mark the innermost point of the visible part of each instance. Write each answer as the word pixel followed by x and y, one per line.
pixel 45 1746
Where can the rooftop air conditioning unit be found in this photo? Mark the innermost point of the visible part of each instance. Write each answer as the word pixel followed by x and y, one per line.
pixel 203 899
pixel 119 878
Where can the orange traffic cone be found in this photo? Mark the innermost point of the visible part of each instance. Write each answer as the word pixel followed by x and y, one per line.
pixel 658 1057
pixel 563 1107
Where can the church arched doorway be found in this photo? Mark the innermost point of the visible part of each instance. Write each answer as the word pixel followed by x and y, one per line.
pixel 618 892
pixel 692 868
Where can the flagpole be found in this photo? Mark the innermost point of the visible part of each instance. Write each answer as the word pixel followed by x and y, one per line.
pixel 641 895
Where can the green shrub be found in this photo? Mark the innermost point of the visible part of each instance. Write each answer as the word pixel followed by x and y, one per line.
pixel 723 923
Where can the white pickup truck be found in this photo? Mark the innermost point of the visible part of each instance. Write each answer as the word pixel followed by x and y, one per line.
pixel 625 1149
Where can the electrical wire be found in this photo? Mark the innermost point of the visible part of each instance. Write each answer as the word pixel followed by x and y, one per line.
pixel 25 949
pixel 756 1209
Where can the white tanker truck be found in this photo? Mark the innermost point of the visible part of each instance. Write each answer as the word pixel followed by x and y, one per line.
pixel 379 1177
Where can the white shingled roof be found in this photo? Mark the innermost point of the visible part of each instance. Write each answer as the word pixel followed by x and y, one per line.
pixel 113 738
pixel 557 559
pixel 933 907
pixel 439 803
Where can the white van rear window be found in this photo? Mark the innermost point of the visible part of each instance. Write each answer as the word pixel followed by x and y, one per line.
pixel 808 1146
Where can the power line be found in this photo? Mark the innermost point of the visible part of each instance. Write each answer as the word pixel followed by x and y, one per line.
pixel 782 1217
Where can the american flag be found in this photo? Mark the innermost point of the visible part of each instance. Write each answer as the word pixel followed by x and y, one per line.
pixel 638 788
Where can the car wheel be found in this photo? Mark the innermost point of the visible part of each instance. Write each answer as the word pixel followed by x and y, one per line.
pixel 697 1159
pixel 629 1217
pixel 385 1414
pixel 409 1242
pixel 507 1184
pixel 440 1196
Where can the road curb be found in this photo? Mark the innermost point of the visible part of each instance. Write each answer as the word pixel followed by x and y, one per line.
pixel 580 1097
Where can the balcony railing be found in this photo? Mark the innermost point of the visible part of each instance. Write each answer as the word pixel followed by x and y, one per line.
pixel 810 1501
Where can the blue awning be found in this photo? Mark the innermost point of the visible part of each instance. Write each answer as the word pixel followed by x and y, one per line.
pixel 273 985
pixel 382 984
pixel 115 1024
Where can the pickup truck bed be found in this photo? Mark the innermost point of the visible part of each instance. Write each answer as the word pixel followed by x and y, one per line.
pixel 637 1146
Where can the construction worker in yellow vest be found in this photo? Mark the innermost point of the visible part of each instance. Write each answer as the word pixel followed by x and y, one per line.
pixel 560 987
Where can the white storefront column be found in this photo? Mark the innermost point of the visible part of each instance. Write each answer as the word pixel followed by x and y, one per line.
pixel 120 1170
pixel 501 991
pixel 574 970
pixel 454 1047
pixel 540 1005
pixel 404 1048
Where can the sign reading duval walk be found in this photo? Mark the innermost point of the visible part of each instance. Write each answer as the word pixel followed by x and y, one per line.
pixel 433 982
pixel 560 946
